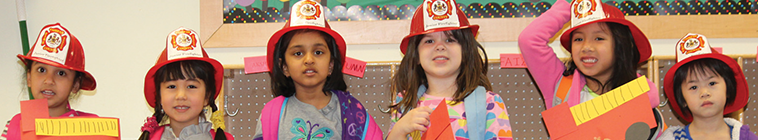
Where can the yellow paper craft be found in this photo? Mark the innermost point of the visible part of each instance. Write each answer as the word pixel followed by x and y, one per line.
pixel 593 108
pixel 80 126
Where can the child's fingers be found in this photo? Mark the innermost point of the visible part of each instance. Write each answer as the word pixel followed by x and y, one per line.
pixel 419 127
pixel 425 109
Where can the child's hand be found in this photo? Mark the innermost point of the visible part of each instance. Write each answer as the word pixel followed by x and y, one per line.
pixel 416 119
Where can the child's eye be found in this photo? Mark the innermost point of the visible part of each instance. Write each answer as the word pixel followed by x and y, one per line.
pixel 319 52
pixel 693 87
pixel 599 38
pixel 429 41
pixel 298 53
pixel 191 86
pixel 61 73
pixel 41 69
pixel 171 86
pixel 578 39
pixel 451 40
pixel 712 83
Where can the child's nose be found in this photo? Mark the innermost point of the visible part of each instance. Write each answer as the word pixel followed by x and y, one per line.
pixel 308 60
pixel 181 94
pixel 48 78
pixel 705 93
pixel 440 46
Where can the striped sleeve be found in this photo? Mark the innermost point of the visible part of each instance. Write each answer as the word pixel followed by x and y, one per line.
pixel 5 131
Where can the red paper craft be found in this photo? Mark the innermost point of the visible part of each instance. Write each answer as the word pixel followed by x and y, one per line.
pixel 37 109
pixel 354 67
pixel 439 124
pixel 613 124
pixel 256 64
pixel 512 60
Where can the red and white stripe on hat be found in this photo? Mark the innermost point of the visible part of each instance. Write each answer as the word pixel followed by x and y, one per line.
pixel 182 43
pixel 583 11
pixel 52 44
pixel 440 14
pixel 307 12
pixel 690 45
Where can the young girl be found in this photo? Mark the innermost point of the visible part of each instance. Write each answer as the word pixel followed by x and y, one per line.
pixel 605 48
pixel 305 58
pixel 442 62
pixel 182 83
pixel 702 87
pixel 54 71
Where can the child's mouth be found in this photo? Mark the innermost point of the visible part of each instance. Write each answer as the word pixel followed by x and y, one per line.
pixel 589 60
pixel 310 72
pixel 440 59
pixel 181 109
pixel 47 93
pixel 707 103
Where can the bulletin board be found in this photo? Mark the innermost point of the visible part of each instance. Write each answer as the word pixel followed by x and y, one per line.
pixel 227 23
pixel 249 92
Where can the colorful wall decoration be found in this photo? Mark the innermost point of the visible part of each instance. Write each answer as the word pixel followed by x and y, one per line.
pixel 266 11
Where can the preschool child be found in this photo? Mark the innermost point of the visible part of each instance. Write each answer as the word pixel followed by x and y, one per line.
pixel 54 70
pixel 605 50
pixel 181 86
pixel 443 61
pixel 306 58
pixel 702 87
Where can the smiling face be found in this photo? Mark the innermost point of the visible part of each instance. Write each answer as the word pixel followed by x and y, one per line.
pixel 705 93
pixel 183 99
pixel 307 60
pixel 440 54
pixel 52 83
pixel 592 50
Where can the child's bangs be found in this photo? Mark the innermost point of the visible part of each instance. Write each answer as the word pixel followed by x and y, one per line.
pixel 700 68
pixel 182 70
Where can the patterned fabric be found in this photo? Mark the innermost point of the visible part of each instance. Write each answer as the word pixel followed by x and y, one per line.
pixel 497 127
pixel 354 116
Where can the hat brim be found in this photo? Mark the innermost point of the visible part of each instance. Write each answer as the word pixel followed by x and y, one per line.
pixel 150 88
pixel 740 100
pixel 278 35
pixel 406 39
pixel 640 40
pixel 88 81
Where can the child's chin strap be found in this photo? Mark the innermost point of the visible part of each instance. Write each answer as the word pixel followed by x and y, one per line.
pixel 476 111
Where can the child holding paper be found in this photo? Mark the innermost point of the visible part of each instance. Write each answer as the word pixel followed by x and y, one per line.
pixel 606 50
pixel 702 87
pixel 305 58
pixel 54 71
pixel 442 62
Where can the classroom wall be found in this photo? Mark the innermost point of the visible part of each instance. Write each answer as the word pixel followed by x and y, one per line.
pixel 122 40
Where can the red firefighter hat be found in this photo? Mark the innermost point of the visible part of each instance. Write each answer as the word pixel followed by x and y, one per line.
pixel 584 12
pixel 57 47
pixel 693 47
pixel 306 14
pixel 434 16
pixel 181 44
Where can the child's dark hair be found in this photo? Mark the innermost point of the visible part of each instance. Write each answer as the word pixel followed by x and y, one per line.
pixel 410 75
pixel 77 77
pixel 284 86
pixel 187 69
pixel 703 66
pixel 625 58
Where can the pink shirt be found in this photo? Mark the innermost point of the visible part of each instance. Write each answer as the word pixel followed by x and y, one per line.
pixel 545 67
